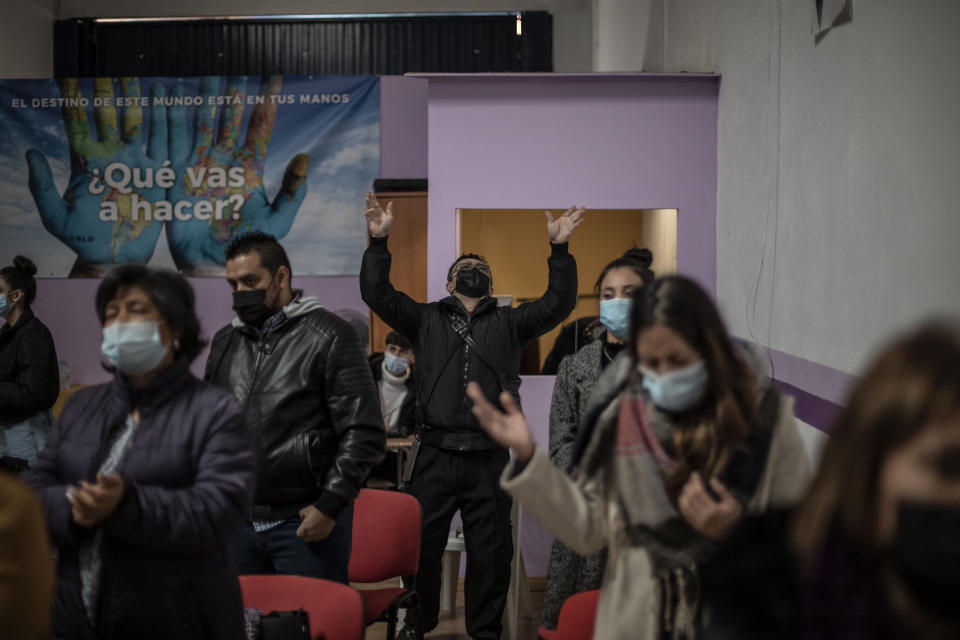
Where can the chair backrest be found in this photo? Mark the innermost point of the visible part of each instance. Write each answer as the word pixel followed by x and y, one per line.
pixel 578 616
pixel 386 536
pixel 335 610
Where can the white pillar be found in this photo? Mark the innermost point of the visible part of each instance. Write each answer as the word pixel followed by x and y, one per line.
pixel 628 35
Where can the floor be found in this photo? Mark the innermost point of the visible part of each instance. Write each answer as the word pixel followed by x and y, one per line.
pixel 451 625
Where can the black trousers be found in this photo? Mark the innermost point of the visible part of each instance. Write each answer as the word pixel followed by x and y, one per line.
pixel 443 482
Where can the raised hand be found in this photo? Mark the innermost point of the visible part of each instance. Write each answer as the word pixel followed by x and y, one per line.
pixel 108 224
pixel 226 180
pixel 713 518
pixel 508 429
pixel 562 228
pixel 379 220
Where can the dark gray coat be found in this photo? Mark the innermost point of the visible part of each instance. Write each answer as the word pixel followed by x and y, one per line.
pixel 569 572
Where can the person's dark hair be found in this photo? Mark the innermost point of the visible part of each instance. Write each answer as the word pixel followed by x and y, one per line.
pixel 271 252
pixel 360 323
pixel 705 436
pixel 637 259
pixel 465 256
pixel 398 339
pixel 910 386
pixel 169 292
pixel 19 275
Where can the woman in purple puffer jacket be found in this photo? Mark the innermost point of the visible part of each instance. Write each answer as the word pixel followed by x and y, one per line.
pixel 146 479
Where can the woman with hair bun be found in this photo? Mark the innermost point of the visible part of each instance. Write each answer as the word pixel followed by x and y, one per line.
pixel 29 377
pixel 570 572
pixel 634 265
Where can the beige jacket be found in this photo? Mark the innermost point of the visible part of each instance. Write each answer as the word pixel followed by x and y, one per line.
pixel 585 513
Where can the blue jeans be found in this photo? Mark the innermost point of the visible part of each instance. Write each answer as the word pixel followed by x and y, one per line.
pixel 25 439
pixel 279 550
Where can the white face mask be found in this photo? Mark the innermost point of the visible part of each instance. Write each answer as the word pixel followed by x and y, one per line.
pixel 395 364
pixel 133 347
pixel 676 390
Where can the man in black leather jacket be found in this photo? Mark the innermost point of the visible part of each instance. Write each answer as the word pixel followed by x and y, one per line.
pixel 458 466
pixel 303 382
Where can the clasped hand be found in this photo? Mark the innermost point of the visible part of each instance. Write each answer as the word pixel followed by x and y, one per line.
pixel 92 502
pixel 714 518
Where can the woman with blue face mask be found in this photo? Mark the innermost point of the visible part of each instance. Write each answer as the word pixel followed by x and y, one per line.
pixel 682 435
pixel 146 479
pixel 569 572
pixel 29 375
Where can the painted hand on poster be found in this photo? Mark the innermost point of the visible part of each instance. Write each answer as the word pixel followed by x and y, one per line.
pixel 224 181
pixel 104 214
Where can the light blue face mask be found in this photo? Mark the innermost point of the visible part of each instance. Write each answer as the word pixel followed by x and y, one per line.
pixel 395 364
pixel 677 390
pixel 615 316
pixel 5 305
pixel 133 347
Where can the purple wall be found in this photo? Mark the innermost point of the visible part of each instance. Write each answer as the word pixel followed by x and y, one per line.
pixel 535 394
pixel 403 127
pixel 819 391
pixel 622 141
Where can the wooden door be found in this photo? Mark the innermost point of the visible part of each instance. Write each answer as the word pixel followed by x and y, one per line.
pixel 408 245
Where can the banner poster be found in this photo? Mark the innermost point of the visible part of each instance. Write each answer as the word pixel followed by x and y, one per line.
pixel 165 171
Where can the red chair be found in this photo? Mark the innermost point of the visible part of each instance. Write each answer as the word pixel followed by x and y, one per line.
pixel 386 544
pixel 335 610
pixel 577 617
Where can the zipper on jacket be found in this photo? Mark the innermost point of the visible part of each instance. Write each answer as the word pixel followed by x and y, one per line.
pixel 263 349
pixel 464 409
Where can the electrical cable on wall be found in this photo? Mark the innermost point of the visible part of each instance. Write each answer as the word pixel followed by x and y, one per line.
pixel 751 312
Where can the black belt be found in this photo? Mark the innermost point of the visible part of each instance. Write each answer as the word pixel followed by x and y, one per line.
pixel 279 511
pixel 457 440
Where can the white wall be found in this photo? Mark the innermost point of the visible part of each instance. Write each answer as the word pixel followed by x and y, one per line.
pixel 572 35
pixel 26 38
pixel 628 35
pixel 838 186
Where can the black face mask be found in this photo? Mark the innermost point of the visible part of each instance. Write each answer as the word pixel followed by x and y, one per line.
pixel 251 307
pixel 472 283
pixel 926 555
